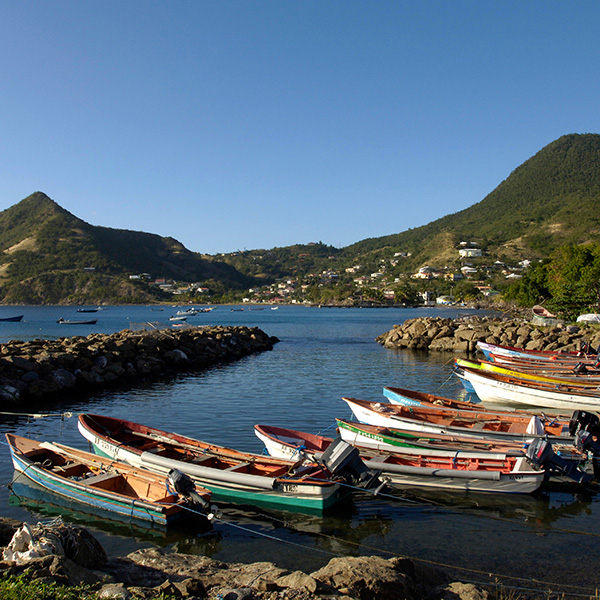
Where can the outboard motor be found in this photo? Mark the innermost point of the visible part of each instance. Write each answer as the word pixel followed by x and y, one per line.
pixel 584 441
pixel 185 487
pixel 582 420
pixel 540 452
pixel 344 460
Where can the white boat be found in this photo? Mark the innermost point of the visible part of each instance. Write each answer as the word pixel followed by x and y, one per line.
pixel 496 389
pixel 471 423
pixel 473 472
pixel 589 318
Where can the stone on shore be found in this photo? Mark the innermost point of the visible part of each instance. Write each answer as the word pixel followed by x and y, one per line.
pixel 461 335
pixel 150 572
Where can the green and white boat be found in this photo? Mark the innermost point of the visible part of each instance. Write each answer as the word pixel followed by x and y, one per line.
pixel 231 475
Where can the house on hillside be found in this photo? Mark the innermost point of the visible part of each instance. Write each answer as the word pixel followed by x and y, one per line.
pixel 469 252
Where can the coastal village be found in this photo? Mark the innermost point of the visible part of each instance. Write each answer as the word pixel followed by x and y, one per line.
pixel 387 285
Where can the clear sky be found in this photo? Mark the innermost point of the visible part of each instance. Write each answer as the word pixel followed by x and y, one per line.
pixel 246 124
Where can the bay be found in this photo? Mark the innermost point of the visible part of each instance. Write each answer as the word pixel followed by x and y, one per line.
pixel 323 354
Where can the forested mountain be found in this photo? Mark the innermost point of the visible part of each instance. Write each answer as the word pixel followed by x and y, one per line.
pixel 51 256
pixel 550 200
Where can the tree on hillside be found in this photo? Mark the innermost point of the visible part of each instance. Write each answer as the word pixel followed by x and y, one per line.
pixel 574 279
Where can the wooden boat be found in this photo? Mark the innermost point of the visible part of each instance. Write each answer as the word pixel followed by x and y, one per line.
pixel 510 351
pixel 397 395
pixel 99 482
pixel 496 388
pixel 558 366
pixel 540 311
pixel 482 424
pixel 231 475
pixel 81 322
pixel 12 319
pixel 583 380
pixel 483 472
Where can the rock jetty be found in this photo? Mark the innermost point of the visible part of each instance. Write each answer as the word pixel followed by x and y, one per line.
pixel 39 369
pixel 79 559
pixel 461 335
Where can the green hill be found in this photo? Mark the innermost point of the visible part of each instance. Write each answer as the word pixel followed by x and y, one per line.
pixel 51 256
pixel 550 200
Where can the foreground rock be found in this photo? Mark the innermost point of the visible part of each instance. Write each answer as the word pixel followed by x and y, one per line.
pixel 150 572
pixel 462 335
pixel 39 369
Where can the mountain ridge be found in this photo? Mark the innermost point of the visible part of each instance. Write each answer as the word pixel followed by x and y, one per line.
pixel 51 256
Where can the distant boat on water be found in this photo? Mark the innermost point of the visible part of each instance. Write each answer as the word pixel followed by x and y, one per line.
pixel 12 319
pixel 81 322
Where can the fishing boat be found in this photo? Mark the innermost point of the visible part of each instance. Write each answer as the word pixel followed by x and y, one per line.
pixel 581 379
pixel 189 312
pixel 12 319
pixel 496 388
pixel 178 318
pixel 102 483
pixel 75 322
pixel 87 310
pixel 482 424
pixel 483 472
pixel 540 311
pixel 511 351
pixel 397 395
pixel 231 475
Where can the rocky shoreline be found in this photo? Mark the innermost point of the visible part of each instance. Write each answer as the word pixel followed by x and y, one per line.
pixel 71 556
pixel 39 370
pixel 461 335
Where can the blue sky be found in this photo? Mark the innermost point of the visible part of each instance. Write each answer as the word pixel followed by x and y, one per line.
pixel 245 124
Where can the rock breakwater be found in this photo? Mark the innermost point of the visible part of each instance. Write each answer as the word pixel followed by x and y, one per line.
pixel 39 369
pixel 462 335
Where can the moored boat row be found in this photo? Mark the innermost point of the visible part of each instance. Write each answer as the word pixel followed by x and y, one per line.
pixel 414 439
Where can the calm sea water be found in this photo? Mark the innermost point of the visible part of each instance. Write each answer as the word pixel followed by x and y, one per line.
pixel 324 354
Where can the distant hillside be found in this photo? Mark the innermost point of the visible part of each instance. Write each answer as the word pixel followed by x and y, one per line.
pixel 51 256
pixel 550 200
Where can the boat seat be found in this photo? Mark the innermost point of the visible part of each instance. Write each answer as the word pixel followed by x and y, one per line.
pixel 96 479
pixel 240 466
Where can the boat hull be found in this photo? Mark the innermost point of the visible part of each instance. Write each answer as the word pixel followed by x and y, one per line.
pixel 511 392
pixel 132 509
pixel 416 468
pixel 303 495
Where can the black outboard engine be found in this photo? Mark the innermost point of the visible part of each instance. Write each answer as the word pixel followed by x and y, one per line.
pixel 583 420
pixel 540 452
pixel 584 441
pixel 344 460
pixel 185 487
